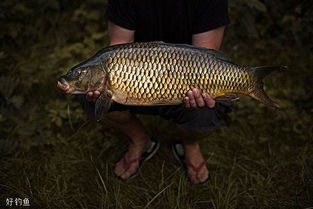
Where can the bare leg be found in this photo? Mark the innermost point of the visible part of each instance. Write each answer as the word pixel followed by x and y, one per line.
pixel 130 126
pixel 194 156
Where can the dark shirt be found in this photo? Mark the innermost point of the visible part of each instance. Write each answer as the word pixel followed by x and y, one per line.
pixel 172 21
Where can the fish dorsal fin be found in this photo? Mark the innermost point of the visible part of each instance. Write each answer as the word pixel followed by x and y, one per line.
pixel 157 42
pixel 218 54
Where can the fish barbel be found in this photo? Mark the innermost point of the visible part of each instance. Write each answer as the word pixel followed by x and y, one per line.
pixel 158 73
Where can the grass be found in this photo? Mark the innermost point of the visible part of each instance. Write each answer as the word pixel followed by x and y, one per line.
pixel 247 171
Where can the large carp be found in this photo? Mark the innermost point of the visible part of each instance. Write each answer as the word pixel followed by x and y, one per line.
pixel 157 73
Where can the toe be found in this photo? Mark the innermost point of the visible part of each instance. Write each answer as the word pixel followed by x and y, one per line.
pixel 130 171
pixel 197 177
pixel 124 176
pixel 203 175
pixel 119 170
pixel 192 176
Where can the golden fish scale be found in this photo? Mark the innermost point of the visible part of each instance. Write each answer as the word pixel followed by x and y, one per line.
pixel 154 75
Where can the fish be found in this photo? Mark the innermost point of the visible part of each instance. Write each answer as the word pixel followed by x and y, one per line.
pixel 158 73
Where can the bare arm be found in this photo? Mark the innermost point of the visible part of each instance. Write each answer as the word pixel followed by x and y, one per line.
pixel 209 39
pixel 117 35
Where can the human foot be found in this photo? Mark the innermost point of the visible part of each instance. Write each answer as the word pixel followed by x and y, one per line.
pixel 192 160
pixel 137 153
pixel 197 171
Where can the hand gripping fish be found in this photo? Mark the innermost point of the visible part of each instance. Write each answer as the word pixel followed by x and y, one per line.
pixel 158 73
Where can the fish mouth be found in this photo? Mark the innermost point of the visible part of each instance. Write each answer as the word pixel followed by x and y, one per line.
pixel 66 88
pixel 63 85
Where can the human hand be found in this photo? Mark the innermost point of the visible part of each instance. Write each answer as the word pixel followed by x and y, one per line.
pixel 92 96
pixel 194 99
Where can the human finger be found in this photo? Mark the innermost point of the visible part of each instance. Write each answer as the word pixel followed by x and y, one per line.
pixel 89 96
pixel 198 97
pixel 209 101
pixel 187 102
pixel 95 96
pixel 192 100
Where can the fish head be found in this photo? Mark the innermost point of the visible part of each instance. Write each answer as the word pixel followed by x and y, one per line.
pixel 81 79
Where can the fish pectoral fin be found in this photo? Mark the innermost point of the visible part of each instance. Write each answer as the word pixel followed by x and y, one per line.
pixel 228 97
pixel 102 105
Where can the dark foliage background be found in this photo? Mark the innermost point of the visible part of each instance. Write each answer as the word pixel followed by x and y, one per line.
pixel 51 154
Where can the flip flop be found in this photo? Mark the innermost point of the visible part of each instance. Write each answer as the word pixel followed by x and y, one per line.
pixel 148 154
pixel 179 154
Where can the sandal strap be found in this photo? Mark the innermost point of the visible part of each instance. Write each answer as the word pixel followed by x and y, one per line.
pixel 128 163
pixel 195 168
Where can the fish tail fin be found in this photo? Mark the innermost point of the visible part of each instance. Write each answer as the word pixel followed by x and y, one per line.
pixel 259 73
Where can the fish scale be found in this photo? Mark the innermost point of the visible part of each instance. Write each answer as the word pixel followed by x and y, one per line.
pixel 184 60
pixel 157 73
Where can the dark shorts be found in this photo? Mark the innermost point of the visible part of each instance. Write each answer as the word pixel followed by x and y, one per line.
pixel 202 119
